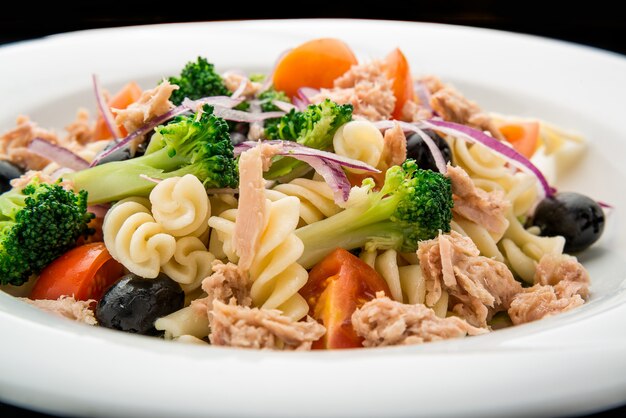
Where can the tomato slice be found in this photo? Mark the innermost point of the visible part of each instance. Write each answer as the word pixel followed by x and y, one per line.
pixel 397 69
pixel 337 286
pixel 129 94
pixel 524 136
pixel 84 272
pixel 315 64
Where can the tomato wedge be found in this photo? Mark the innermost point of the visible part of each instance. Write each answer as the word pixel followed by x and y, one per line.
pixel 130 93
pixel 84 272
pixel 315 64
pixel 524 136
pixel 397 69
pixel 337 286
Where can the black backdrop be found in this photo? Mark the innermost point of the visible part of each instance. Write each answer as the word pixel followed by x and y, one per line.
pixel 594 23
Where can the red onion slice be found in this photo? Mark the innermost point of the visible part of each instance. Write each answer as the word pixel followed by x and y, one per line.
pixel 440 162
pixel 241 88
pixel 241 116
pixel 300 104
pixel 105 111
pixel 60 155
pixel 474 135
pixel 223 101
pixel 284 106
pixel 307 92
pixel 422 93
pixel 332 174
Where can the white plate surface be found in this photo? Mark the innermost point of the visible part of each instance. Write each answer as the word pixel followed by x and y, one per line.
pixel 573 363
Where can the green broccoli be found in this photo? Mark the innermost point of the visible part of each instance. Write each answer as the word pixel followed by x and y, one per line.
pixel 313 127
pixel 198 79
pixel 196 144
pixel 413 205
pixel 37 224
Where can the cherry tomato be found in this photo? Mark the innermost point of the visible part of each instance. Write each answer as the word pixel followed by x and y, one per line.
pixel 84 272
pixel 130 93
pixel 524 136
pixel 397 69
pixel 315 64
pixel 337 286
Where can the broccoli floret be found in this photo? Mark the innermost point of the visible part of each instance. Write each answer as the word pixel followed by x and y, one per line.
pixel 313 127
pixel 413 205
pixel 198 79
pixel 196 144
pixel 37 224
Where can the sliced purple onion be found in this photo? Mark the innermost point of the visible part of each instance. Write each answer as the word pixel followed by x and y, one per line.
pixel 440 162
pixel 105 111
pixel 60 172
pixel 474 135
pixel 604 205
pixel 423 94
pixel 179 110
pixel 295 150
pixel 301 104
pixel 284 106
pixel 223 101
pixel 60 155
pixel 241 116
pixel 307 92
pixel 255 107
pixel 332 174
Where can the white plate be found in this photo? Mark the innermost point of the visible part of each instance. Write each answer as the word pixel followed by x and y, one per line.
pixel 573 363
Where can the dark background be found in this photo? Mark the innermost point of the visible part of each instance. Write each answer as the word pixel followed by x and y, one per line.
pixel 595 23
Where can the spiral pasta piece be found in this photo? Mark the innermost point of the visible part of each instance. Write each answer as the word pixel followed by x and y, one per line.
pixel 133 238
pixel 405 282
pixel 190 264
pixel 360 140
pixel 275 274
pixel 316 198
pixel 181 206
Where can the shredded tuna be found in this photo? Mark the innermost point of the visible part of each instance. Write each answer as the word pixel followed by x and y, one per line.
pixel 238 326
pixel 382 322
pixel 478 286
pixel 540 302
pixel 24 179
pixel 67 307
pixel 234 80
pixel 80 131
pixel 14 144
pixel 394 148
pixel 564 271
pixel 151 104
pixel 226 282
pixel 487 209
pixel 452 106
pixel 366 87
pixel 413 112
pixel 562 284
pixel 252 209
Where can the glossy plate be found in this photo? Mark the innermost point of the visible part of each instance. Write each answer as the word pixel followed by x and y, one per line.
pixel 570 364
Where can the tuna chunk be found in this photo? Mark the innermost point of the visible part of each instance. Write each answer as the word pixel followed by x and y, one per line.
pixel 78 132
pixel 234 80
pixel 483 208
pixel 238 326
pixel 478 286
pixel 383 322
pixel 562 284
pixel 452 106
pixel 367 88
pixel 67 307
pixel 394 148
pixel 413 112
pixel 226 282
pixel 14 144
pixel 252 209
pixel 151 104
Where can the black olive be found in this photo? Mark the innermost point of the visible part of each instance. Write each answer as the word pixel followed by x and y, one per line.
pixel 576 217
pixel 133 303
pixel 419 151
pixel 8 172
pixel 123 153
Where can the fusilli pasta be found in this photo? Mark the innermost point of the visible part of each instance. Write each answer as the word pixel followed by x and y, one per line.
pixel 316 198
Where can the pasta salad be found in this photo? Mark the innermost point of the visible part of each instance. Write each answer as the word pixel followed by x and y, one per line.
pixel 331 203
